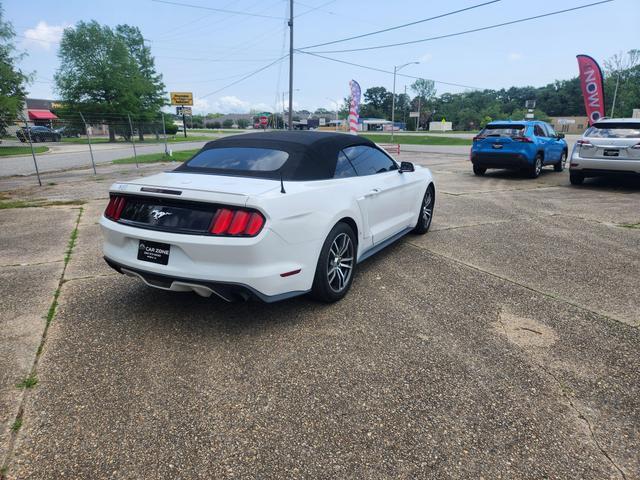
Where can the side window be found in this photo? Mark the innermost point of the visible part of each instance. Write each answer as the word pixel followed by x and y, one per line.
pixel 344 168
pixel 552 132
pixel 538 131
pixel 369 161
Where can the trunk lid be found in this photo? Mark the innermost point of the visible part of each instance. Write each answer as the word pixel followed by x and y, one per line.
pixel 210 184
pixel 610 148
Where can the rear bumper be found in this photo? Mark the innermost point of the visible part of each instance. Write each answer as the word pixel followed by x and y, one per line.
pixel 601 166
pixel 236 265
pixel 508 160
pixel 227 291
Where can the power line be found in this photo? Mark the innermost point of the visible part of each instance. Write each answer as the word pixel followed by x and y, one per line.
pixel 400 26
pixel 375 69
pixel 221 10
pixel 489 27
pixel 255 72
pixel 313 9
pixel 215 60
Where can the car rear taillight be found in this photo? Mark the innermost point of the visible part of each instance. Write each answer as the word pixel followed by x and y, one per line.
pixel 115 207
pixel 236 223
pixel 522 139
pixel 478 137
pixel 584 143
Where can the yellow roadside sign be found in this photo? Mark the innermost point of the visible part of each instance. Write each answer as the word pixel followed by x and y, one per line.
pixel 181 98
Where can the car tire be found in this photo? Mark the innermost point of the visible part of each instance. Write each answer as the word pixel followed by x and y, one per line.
pixel 576 178
pixel 479 171
pixel 558 167
pixel 336 265
pixel 426 211
pixel 536 168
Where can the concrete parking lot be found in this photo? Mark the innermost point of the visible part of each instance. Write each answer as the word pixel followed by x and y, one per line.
pixel 502 344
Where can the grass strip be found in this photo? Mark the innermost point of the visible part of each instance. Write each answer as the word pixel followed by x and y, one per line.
pixel 5 151
pixel 180 156
pixel 150 140
pixel 418 140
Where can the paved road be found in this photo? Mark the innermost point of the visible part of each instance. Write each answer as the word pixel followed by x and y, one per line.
pixel 67 156
pixel 502 344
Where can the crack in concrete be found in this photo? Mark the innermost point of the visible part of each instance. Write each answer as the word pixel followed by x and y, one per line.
pixel 34 367
pixel 89 277
pixel 31 264
pixel 540 292
pixel 500 190
pixel 566 393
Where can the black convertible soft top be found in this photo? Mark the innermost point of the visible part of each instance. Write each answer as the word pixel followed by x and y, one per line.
pixel 312 155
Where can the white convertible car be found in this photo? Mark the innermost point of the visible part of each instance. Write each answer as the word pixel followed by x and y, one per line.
pixel 268 215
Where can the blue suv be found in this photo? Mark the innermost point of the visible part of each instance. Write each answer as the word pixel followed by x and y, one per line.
pixel 526 146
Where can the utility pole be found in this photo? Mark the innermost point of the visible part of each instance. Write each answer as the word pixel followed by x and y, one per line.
pixel 393 103
pixel 615 94
pixel 404 110
pixel 290 64
pixel 393 98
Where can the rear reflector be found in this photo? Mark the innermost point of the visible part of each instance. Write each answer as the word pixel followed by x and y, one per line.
pixel 522 139
pixel 292 272
pixel 238 222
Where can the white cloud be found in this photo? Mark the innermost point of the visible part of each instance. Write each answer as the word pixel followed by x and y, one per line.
pixel 229 104
pixel 44 35
pixel 514 57
pixel 425 58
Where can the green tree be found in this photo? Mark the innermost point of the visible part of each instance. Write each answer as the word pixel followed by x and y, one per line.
pixel 242 123
pixel 228 123
pixel 622 72
pixel 148 82
pixel 108 74
pixel 12 79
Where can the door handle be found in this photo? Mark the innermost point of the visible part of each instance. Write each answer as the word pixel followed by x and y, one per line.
pixel 372 193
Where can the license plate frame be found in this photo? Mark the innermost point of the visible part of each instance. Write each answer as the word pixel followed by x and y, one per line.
pixel 611 152
pixel 154 252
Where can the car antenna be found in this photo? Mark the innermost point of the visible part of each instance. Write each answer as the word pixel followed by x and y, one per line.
pixel 282 190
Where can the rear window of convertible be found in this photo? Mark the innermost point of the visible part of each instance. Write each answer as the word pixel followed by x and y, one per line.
pixel 238 159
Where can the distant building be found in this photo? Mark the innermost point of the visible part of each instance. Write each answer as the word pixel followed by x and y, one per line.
pixel 38 111
pixel 569 124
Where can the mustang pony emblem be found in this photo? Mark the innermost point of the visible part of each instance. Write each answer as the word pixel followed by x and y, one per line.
pixel 158 214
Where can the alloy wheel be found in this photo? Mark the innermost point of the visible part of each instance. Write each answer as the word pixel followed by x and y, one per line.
pixel 538 165
pixel 427 207
pixel 340 262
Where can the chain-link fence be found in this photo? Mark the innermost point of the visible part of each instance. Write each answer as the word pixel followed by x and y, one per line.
pixel 45 141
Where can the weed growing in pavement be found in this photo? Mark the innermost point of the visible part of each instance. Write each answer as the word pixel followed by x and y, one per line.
pixel 16 425
pixel 6 204
pixel 29 382
pixel 631 225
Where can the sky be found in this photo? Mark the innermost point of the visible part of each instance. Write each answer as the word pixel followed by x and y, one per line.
pixel 207 51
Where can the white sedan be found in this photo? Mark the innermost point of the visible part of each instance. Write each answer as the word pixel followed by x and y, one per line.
pixel 269 215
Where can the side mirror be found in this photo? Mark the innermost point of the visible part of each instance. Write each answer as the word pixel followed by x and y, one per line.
pixel 560 135
pixel 406 167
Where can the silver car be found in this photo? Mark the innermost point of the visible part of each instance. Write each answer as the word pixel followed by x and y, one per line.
pixel 608 146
